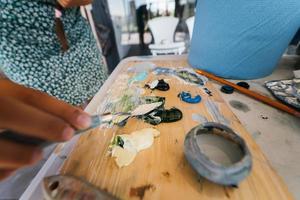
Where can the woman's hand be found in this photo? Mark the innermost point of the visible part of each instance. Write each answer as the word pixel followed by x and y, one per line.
pixel 33 113
pixel 74 3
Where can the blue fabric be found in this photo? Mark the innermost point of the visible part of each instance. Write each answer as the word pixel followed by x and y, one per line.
pixel 242 39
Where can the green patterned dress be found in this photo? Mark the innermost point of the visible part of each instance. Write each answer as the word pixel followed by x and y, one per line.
pixel 31 55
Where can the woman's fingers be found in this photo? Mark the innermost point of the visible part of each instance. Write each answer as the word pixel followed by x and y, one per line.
pixel 75 116
pixel 28 120
pixel 13 155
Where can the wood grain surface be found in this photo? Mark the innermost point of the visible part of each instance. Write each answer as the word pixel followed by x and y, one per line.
pixel 161 172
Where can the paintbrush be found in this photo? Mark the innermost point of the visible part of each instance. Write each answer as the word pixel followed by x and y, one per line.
pixel 97 120
pixel 252 94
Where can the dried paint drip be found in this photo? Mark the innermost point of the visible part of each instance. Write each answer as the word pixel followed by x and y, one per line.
pixel 287 91
pixel 217 153
pixel 159 85
pixel 207 91
pixel 187 97
pixel 125 147
pixel 162 115
pixel 140 191
pixel 65 187
pixel 213 110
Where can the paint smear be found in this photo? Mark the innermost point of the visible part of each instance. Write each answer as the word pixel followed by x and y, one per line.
pixel 139 77
pixel 140 91
pixel 164 71
pixel 214 111
pixel 239 105
pixel 145 108
pixel 187 76
pixel 199 118
pixel 125 147
pixel 142 67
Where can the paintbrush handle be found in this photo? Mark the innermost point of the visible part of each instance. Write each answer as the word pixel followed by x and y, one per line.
pixel 27 140
pixel 252 94
pixel 23 139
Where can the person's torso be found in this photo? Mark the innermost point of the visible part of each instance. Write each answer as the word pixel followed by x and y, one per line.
pixel 31 54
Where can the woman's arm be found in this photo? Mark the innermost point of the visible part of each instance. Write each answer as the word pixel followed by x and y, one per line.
pixel 74 3
pixel 33 113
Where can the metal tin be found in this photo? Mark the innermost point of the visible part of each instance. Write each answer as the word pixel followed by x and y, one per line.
pixel 228 175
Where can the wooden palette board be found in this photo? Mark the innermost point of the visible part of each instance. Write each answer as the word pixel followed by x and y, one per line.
pixel 162 172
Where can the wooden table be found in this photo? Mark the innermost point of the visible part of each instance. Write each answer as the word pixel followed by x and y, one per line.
pixel 162 170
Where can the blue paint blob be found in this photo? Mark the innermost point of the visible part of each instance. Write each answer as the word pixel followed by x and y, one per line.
pixel 227 89
pixel 187 97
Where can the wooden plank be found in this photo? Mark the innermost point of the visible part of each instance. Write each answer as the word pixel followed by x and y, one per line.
pixel 163 167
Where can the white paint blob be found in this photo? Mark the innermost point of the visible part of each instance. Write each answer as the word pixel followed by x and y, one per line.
pixel 132 144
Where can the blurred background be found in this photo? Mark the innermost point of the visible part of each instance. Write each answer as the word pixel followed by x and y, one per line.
pixel 118 25
pixel 123 29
